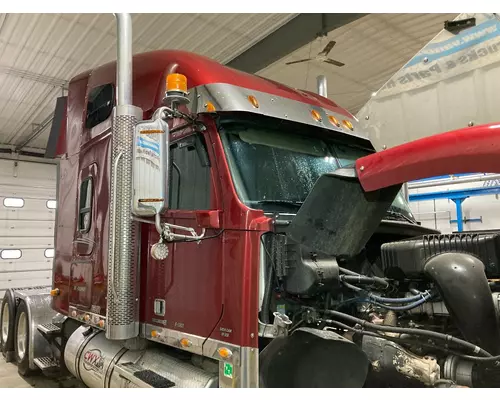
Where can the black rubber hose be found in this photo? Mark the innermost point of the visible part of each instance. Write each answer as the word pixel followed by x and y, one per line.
pixel 375 279
pixel 426 295
pixel 414 342
pixel 367 280
pixel 406 307
pixel 411 331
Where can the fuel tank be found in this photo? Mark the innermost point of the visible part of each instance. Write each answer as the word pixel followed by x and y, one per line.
pixel 101 363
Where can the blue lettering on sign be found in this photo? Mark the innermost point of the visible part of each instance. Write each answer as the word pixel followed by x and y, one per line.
pixel 470 37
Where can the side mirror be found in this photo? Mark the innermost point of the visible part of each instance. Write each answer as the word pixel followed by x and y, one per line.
pixel 150 167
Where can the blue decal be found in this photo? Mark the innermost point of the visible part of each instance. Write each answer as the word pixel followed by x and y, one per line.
pixel 470 37
pixel 148 145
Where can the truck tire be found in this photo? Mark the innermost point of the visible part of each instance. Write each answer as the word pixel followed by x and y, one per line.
pixel 7 319
pixel 21 342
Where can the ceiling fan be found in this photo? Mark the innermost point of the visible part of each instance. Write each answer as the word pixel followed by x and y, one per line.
pixel 322 56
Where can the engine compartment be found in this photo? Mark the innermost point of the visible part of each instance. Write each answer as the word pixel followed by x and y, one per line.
pixel 424 309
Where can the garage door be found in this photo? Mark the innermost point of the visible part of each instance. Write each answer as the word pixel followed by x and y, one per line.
pixel 27 214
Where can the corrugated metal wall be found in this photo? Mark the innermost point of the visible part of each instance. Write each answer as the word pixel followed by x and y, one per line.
pixel 27 214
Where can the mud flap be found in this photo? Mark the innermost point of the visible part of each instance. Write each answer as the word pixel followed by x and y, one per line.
pixel 312 358
pixel 338 217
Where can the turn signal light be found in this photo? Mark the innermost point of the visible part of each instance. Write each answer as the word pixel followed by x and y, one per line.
pixel 348 124
pixel 176 83
pixel 224 352
pixel 316 115
pixel 101 324
pixel 55 292
pixel 154 334
pixel 185 342
pixel 253 101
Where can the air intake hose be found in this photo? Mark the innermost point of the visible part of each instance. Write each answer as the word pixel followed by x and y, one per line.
pixel 462 283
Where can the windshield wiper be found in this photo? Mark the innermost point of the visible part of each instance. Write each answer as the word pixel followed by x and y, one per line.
pixel 400 216
pixel 286 202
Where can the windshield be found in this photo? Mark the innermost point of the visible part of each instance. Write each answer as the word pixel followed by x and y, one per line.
pixel 275 170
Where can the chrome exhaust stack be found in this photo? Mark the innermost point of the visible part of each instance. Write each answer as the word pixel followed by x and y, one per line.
pixel 122 320
pixel 322 87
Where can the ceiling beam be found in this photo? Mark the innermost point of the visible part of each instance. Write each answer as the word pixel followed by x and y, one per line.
pixel 295 34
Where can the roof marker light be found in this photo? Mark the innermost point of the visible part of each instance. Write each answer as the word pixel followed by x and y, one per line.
pixel 253 101
pixel 348 124
pixel 334 120
pixel 316 116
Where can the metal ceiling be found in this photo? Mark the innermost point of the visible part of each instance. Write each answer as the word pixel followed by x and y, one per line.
pixel 373 48
pixel 39 53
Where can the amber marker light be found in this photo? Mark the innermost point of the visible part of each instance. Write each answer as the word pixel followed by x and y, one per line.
pixel 176 83
pixel 316 115
pixel 253 101
pixel 210 107
pixel 224 352
pixel 333 120
pixel 185 342
pixel 348 124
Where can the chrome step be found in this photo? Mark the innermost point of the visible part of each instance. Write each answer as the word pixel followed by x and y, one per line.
pixel 49 329
pixel 143 378
pixel 46 363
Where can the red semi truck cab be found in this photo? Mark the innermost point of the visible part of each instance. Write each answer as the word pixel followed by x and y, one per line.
pixel 253 150
pixel 224 230
pixel 228 170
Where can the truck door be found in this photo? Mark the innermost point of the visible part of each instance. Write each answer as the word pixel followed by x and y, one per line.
pixel 189 281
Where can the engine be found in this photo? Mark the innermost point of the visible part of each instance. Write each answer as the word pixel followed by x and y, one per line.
pixel 422 311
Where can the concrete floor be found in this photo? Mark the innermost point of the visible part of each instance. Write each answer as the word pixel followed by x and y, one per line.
pixel 9 378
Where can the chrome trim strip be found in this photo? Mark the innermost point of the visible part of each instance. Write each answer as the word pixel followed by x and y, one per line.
pixel 172 338
pixel 207 347
pixel 227 97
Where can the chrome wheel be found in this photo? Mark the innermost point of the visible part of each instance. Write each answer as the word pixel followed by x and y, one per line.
pixel 22 335
pixel 5 322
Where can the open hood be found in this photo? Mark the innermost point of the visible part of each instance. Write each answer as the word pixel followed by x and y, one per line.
pixel 338 217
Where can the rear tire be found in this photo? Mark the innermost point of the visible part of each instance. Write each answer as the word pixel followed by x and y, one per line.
pixel 7 320
pixel 22 342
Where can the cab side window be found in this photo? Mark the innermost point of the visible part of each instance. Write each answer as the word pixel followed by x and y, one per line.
pixel 85 205
pixel 190 180
pixel 99 105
